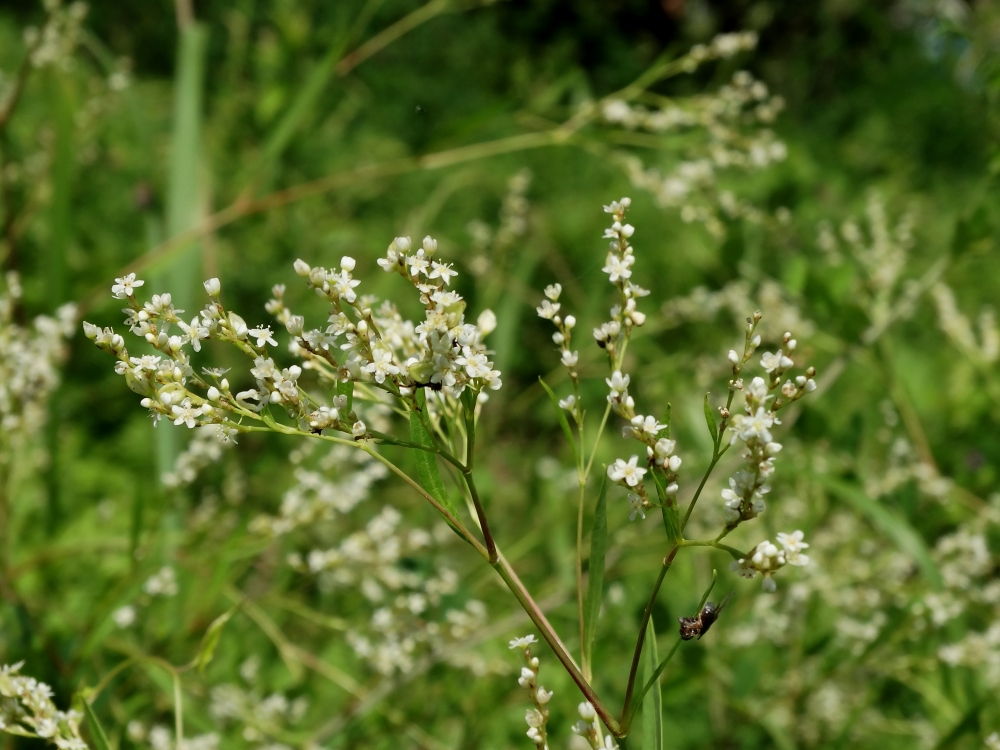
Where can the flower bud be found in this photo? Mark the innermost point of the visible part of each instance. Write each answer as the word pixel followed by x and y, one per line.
pixel 347 263
pixel 734 358
pixel 302 268
pixel 213 286
pixel 430 244
pixel 295 324
pixel 213 394
pixel 402 244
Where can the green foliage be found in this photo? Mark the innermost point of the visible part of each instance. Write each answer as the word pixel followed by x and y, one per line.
pixel 251 116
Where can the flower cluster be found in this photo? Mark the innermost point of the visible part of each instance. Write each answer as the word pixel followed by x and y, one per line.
pixel 159 737
pixel 986 350
pixel 27 710
pixel 263 717
pixel 562 338
pixel 618 263
pixel 29 358
pixel 538 717
pixel 443 352
pixel 315 497
pixel 766 558
pixel 54 43
pixel 731 121
pixel 744 498
pixel 407 620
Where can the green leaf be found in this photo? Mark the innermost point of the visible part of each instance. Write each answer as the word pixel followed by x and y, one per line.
pixel 97 735
pixel 710 421
pixel 347 389
pixel 666 421
pixel 561 413
pixel 427 468
pixel 890 523
pixel 595 586
pixel 652 702
pixel 211 639
pixel 671 519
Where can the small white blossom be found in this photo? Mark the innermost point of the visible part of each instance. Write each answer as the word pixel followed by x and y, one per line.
pixel 547 309
pixel 626 471
pixel 125 287
pixel 523 642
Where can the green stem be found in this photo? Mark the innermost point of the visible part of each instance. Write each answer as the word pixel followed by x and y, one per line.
pixel 663 664
pixel 548 633
pixel 667 562
pixel 469 407
pixel 737 554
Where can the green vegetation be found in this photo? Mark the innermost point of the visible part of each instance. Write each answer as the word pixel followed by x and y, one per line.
pixel 281 591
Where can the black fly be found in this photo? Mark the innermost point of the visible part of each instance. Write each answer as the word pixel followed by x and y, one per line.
pixel 697 626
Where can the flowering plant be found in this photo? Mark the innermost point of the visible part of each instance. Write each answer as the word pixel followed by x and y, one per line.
pixel 437 374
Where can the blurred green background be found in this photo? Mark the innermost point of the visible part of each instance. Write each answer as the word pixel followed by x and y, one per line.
pixel 156 120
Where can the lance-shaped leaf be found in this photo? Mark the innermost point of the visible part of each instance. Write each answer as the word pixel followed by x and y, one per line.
pixel 652 702
pixel 97 735
pixel 710 421
pixel 561 413
pixel 427 468
pixel 595 586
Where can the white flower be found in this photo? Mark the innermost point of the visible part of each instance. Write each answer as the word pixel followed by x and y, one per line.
pixel 618 383
pixel 486 322
pixel 263 335
pixel 664 447
pixel 125 287
pixel 770 361
pixel 567 403
pixel 586 711
pixel 547 309
pixel 418 263
pixel 148 362
pixel 617 268
pixel 628 472
pixel 381 364
pixel 186 413
pixel 523 642
pixel 646 425
pixel 442 271
pixel 569 359
pixel 793 545
pixel 758 426
pixel 124 617
pixel 635 507
pixel 758 389
pixel 194 332
pixel 213 286
pixel 527 678
pixel 552 291
pixel 542 695
pixel 533 717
